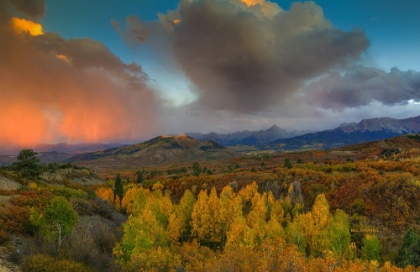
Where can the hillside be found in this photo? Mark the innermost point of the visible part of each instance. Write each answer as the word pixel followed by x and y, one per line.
pixel 59 148
pixel 374 185
pixel 157 151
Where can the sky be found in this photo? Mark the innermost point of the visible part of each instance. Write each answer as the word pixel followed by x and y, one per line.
pixel 125 71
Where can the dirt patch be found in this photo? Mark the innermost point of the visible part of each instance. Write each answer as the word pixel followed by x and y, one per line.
pixel 6 266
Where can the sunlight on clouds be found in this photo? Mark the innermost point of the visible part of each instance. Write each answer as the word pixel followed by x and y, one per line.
pixel 27 26
pixel 269 9
pixel 412 101
pixel 63 57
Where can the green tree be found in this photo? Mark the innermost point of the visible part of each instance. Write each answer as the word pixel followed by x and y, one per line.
pixel 371 249
pixel 340 233
pixel 140 178
pixel 57 220
pixel 196 169
pixel 118 188
pixel 28 165
pixel 288 163
pixel 409 252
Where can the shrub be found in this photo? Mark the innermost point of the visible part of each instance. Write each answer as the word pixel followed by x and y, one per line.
pixel 45 263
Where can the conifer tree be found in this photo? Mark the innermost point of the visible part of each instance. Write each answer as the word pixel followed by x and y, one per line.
pixel 409 252
pixel 28 165
pixel 140 178
pixel 118 188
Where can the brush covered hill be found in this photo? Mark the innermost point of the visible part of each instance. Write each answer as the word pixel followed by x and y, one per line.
pixel 399 147
pixel 157 151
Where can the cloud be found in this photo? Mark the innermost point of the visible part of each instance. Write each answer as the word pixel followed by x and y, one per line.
pixel 249 56
pixel 22 25
pixel 359 86
pixel 134 31
pixel 76 90
pixel 33 8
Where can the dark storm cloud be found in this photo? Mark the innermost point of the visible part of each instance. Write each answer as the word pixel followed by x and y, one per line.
pixel 360 85
pixel 33 8
pixel 134 30
pixel 246 58
pixel 90 54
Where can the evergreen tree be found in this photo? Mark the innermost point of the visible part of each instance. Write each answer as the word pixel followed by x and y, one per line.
pixel 140 178
pixel 196 169
pixel 409 252
pixel 28 165
pixel 118 188
pixel 288 163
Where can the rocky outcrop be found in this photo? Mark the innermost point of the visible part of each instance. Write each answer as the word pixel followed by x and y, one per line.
pixel 84 176
pixel 8 184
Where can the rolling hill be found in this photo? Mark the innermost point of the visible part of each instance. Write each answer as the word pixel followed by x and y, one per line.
pixel 157 151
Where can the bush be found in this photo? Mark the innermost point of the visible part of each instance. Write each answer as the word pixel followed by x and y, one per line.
pixel 287 163
pixel 45 263
pixel 3 236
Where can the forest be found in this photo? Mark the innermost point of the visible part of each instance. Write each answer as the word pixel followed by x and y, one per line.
pixel 303 211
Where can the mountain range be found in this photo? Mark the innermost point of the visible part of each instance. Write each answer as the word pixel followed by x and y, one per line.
pixel 197 146
pixel 246 137
pixel 346 134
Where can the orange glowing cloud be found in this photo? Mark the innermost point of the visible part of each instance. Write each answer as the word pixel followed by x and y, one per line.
pixel 26 26
pixel 253 2
pixel 57 90
pixel 19 124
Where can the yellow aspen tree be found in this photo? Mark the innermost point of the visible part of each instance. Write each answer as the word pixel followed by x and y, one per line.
pixel 216 221
pixel 230 209
pixel 140 199
pixel 128 199
pixel 240 235
pixel 106 194
pixel 174 227
pixel 275 209
pixel 295 235
pixel 248 192
pixel 184 211
pixel 160 205
pixel 320 242
pixel 200 217
pixel 274 228
pixel 340 236
pixel 256 219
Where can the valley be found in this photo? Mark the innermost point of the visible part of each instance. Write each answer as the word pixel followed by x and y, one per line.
pixel 375 184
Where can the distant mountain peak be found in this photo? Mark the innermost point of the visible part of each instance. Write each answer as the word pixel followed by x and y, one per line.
pixel 275 127
pixel 246 137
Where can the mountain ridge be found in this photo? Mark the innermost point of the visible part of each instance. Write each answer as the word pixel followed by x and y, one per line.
pixel 347 134
pixel 247 137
